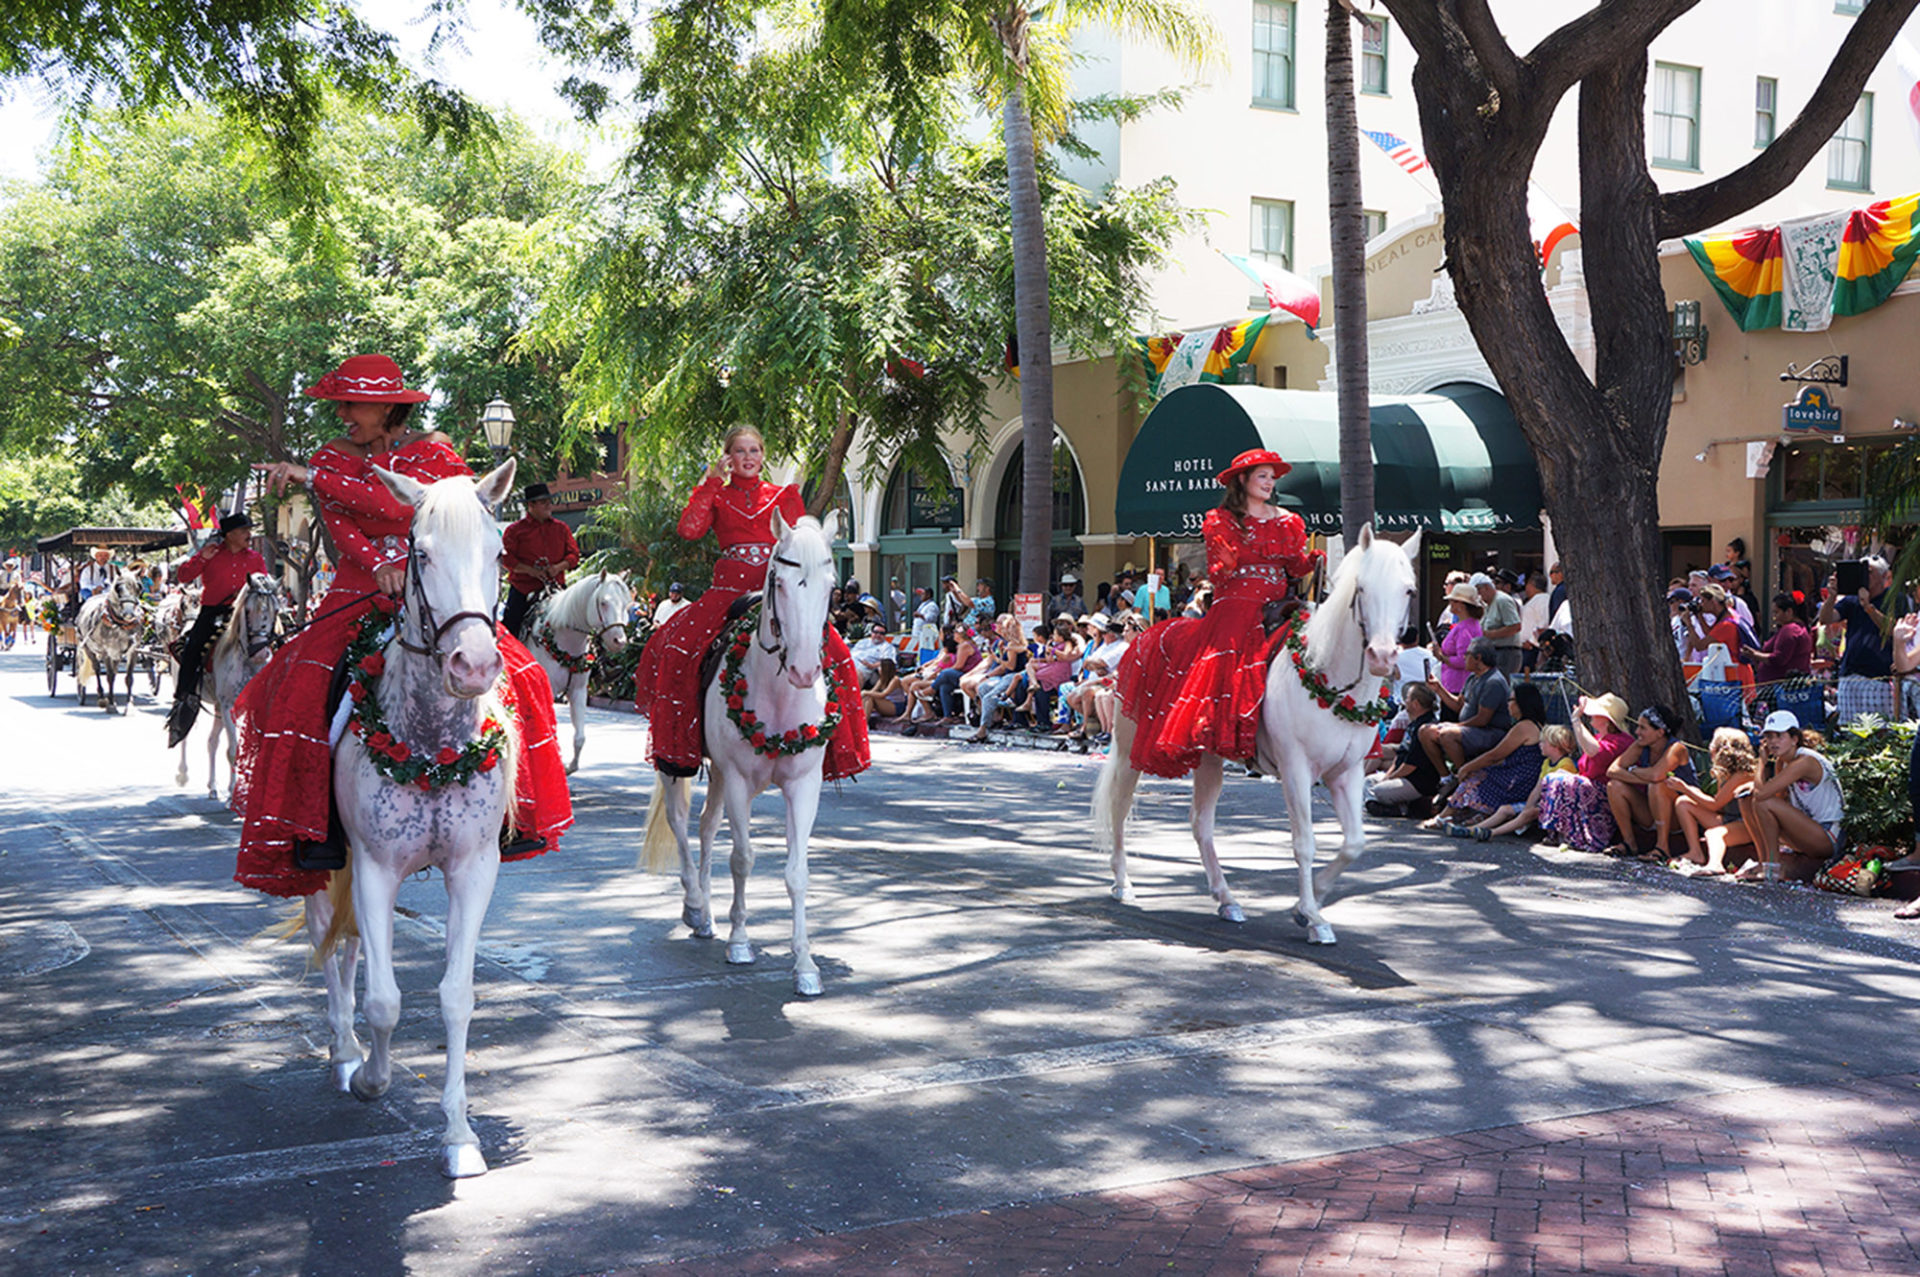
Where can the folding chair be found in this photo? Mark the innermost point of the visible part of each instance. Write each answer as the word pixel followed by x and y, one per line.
pixel 1721 704
pixel 1805 700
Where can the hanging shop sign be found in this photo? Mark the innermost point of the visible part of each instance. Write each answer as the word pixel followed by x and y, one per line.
pixel 1812 409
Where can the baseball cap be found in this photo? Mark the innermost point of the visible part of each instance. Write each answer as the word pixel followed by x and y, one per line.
pixel 1781 720
pixel 1679 594
pixel 674 587
pixel 1719 572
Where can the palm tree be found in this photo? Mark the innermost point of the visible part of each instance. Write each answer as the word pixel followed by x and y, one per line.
pixel 1349 275
pixel 1016 51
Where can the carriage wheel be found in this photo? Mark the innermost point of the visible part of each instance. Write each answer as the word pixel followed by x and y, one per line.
pixel 53 666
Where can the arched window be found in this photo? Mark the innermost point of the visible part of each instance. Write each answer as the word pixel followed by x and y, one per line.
pixel 1069 518
pixel 915 505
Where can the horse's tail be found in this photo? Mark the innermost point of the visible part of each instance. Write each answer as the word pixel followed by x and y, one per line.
pixel 1113 792
pixel 344 925
pixel 660 849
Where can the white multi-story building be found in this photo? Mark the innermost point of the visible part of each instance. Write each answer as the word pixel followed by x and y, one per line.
pixel 1248 141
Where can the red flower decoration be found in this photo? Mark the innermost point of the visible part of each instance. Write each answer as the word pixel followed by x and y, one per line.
pixel 357 691
pixel 489 760
pixel 375 664
pixel 748 719
pixel 424 783
pixel 809 731
pixel 759 740
pixel 379 741
pixel 446 757
pixel 734 702
pixel 1347 701
pixel 400 752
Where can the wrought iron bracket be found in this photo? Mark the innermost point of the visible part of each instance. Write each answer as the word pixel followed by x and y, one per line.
pixel 1828 371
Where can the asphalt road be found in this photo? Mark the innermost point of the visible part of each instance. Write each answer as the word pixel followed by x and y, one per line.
pixel 994 1029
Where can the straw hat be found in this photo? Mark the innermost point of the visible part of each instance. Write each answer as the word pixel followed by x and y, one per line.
pixel 1609 707
pixel 1463 593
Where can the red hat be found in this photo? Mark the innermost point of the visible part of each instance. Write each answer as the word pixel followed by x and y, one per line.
pixel 1252 458
pixel 366 379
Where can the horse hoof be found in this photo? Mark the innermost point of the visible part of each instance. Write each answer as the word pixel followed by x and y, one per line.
pixel 462 1161
pixel 807 984
pixel 1320 933
pixel 343 1071
pixel 701 923
pixel 363 1089
pixel 1123 894
pixel 740 954
pixel 1299 919
pixel 1233 913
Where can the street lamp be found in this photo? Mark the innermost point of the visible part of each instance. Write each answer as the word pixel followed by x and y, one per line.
pixel 496 423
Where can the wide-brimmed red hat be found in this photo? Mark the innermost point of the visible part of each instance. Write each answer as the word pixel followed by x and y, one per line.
pixel 366 379
pixel 1252 458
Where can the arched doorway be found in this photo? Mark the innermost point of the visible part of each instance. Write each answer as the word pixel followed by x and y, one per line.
pixel 918 522
pixel 1069 520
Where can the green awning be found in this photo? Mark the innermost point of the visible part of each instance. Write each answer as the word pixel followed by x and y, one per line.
pixel 1450 461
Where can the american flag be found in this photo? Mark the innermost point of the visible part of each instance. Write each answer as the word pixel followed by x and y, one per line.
pixel 1399 150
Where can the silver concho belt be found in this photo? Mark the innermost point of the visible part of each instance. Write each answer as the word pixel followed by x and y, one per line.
pixel 758 555
pixel 1263 572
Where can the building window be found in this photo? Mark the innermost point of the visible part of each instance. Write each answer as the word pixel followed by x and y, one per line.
pixel 1847 6
pixel 1373 55
pixel 1673 116
pixel 1766 103
pixel 1272 239
pixel 1850 153
pixel 1273 53
pixel 1375 221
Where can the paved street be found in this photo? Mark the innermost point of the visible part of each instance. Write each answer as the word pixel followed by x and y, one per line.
pixel 1556 1057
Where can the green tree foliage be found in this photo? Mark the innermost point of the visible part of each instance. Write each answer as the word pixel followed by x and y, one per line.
pixel 170 316
pixel 40 496
pixel 818 268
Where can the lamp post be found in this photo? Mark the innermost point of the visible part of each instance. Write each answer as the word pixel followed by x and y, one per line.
pixel 496 423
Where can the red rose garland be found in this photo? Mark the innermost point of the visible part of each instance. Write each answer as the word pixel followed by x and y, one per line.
pixel 392 757
pixel 733 687
pixel 1339 700
pixel 564 659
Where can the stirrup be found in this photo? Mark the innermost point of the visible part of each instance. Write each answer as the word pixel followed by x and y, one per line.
pixel 516 846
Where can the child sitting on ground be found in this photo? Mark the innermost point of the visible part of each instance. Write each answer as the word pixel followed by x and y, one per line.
pixel 1556 755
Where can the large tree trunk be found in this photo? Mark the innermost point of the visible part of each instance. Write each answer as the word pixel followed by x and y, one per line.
pixel 1349 278
pixel 834 465
pixel 1034 327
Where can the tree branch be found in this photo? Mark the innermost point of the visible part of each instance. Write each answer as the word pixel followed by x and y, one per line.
pixel 1603 34
pixel 1770 172
pixel 1496 57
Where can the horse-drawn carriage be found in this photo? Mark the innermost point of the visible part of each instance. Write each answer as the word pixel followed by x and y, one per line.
pixel 63 645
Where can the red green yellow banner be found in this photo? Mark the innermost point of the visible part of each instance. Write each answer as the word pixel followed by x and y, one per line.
pixel 1870 258
pixel 1171 362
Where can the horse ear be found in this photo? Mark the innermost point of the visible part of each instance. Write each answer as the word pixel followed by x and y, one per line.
pixel 1412 546
pixel 1365 540
pixel 830 526
pixel 494 485
pixel 403 487
pixel 779 523
pixel 603 574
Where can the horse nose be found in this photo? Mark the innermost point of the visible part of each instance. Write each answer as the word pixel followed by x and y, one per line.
pixel 471 675
pixel 803 674
pixel 1380 658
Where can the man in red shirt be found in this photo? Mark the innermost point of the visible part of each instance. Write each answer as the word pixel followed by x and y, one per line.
pixel 222 567
pixel 539 550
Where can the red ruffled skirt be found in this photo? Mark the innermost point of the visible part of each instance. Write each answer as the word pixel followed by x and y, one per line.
pixel 1194 686
pixel 284 783
pixel 667 690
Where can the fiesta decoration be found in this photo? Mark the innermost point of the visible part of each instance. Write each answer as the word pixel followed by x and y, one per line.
pixel 564 659
pixel 733 688
pixel 392 757
pixel 1857 270
pixel 1171 363
pixel 1338 699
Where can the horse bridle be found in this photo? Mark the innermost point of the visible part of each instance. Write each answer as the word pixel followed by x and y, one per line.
pixel 417 593
pixel 115 619
pixel 253 591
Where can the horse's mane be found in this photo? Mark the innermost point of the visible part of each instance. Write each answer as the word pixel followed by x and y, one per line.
pixel 572 608
pixel 1334 613
pixel 453 508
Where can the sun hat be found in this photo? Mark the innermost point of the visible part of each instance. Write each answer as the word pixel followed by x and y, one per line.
pixel 867 600
pixel 1096 619
pixel 366 379
pixel 1250 459
pixel 1464 593
pixel 1781 720
pixel 1068 578
pixel 1610 707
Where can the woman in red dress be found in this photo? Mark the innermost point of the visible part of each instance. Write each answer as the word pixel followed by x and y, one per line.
pixel 284 788
pixel 739 510
pixel 1194 685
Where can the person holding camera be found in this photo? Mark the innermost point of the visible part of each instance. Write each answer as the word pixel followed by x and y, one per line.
pixel 1866 663
pixel 1710 621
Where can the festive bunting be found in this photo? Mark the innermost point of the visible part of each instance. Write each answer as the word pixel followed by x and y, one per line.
pixel 1859 265
pixel 196 507
pixel 1285 290
pixel 1179 359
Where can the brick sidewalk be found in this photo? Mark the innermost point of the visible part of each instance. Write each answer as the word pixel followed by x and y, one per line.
pixel 1802 1180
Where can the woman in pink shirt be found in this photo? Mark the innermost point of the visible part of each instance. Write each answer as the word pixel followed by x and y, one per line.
pixel 1575 805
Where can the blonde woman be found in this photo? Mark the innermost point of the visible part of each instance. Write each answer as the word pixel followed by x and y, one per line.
pixel 1711 823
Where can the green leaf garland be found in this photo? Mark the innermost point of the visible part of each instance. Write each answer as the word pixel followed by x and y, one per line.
pixel 564 659
pixel 1339 700
pixel 392 757
pixel 733 687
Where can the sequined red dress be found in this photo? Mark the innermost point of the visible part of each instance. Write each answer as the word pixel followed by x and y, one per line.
pixel 1194 685
pixel 284 782
pixel 666 682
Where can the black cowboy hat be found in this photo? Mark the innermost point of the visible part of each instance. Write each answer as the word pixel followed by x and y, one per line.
pixel 536 492
pixel 238 519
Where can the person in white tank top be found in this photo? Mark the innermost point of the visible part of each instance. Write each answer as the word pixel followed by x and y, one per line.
pixel 1795 810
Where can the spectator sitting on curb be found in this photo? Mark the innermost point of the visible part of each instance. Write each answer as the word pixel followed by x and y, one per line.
pixel 1795 810
pixel 871 650
pixel 1406 789
pixel 947 697
pixel 1097 669
pixel 1711 823
pixel 1007 663
pixel 1483 715
pixel 1504 774
pixel 1556 756
pixel 1575 806
pixel 887 698
pixel 1637 792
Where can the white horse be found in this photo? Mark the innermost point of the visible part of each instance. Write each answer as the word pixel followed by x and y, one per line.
pixel 1351 642
pixel 437 692
pixel 109 626
pixel 561 635
pixel 786 698
pixel 242 650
